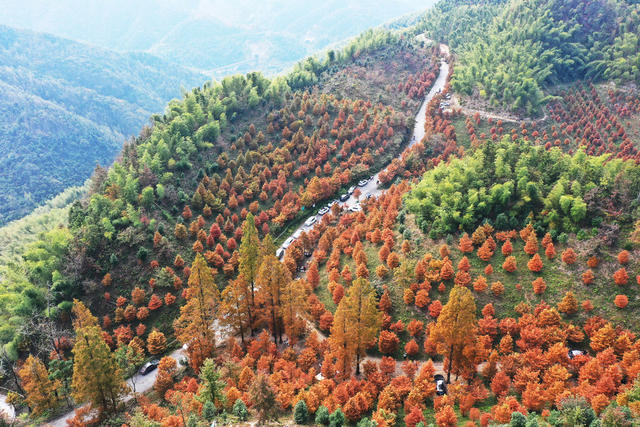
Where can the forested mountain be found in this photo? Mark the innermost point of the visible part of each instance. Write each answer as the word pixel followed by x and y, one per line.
pixel 266 35
pixel 67 106
pixel 512 52
pixel 307 250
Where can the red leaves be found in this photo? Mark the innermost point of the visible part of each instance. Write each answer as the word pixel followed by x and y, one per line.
pixel 621 301
pixel 388 342
pixel 620 277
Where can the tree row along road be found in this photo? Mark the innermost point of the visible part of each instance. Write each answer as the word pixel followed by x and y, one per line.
pixel 144 383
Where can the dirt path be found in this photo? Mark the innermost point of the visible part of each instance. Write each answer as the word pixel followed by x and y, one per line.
pixel 509 118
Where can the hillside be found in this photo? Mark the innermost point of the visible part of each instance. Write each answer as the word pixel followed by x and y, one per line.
pixel 358 242
pixel 67 106
pixel 512 53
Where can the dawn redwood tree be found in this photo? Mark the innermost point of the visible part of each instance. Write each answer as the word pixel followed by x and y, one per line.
pixel 446 417
pixel 356 321
pixel 621 301
pixel 272 278
pixel 235 307
pixel 294 307
pixel 446 271
pixel 509 264
pixel 388 342
pixel 485 252
pixel 167 369
pixel 250 259
pixel 535 263
pixel 621 277
pixel 539 286
pixel 623 257
pixel 156 342
pixel 507 248
pixel 313 276
pixel 466 244
pixel 569 256
pixel 531 247
pixel 588 277
pixel 96 376
pixel 193 326
pixel 40 390
pixel 569 304
pixel 456 328
pixel 500 384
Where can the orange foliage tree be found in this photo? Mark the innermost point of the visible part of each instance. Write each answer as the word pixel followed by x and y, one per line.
pixel 588 277
pixel 531 247
pixel 507 248
pixel 569 256
pixel 466 244
pixel 193 326
pixel 539 286
pixel 623 257
pixel 509 264
pixel 535 263
pixel 621 301
pixel 167 369
pixel 569 304
pixel 620 277
pixel 454 332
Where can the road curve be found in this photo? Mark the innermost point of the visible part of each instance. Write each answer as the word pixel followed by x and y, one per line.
pixel 372 188
pixel 143 383
pixel 6 408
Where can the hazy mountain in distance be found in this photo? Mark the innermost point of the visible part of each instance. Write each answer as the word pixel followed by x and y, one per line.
pixel 64 106
pixel 215 35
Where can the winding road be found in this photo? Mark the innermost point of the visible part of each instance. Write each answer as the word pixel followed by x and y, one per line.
pixel 144 383
pixel 372 188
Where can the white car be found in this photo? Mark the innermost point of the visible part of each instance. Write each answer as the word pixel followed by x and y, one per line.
pixel 310 221
pixel 355 208
pixel 279 253
pixel 363 182
pixel 323 211
pixel 288 242
pixel 351 189
pixel 297 234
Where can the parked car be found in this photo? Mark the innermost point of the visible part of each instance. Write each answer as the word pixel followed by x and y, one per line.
pixel 297 234
pixel 312 220
pixel 307 254
pixel 149 366
pixel 288 242
pixel 333 202
pixel 363 182
pixel 351 189
pixel 279 253
pixel 344 197
pixel 324 210
pixel 574 353
pixel 441 385
pixel 355 208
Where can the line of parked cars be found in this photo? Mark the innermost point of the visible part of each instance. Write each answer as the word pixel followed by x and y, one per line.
pixel 323 211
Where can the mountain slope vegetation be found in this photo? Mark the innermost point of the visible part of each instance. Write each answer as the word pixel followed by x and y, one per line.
pixel 526 47
pixel 484 274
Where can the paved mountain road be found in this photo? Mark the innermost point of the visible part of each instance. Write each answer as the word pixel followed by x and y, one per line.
pixel 372 188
